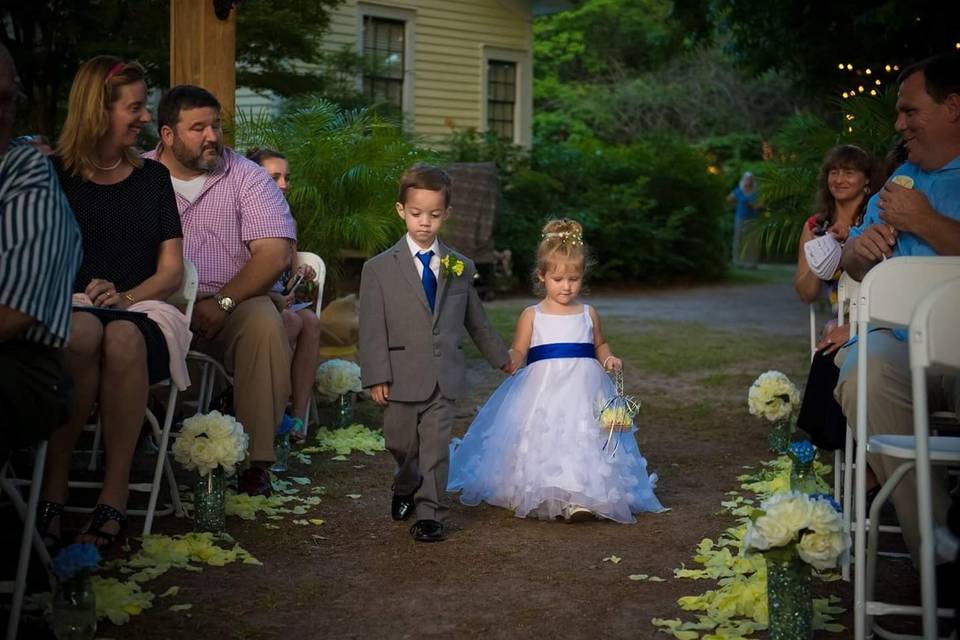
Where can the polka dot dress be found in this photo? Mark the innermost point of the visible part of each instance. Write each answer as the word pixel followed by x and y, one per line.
pixel 122 224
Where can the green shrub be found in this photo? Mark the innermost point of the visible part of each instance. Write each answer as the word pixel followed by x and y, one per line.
pixel 651 211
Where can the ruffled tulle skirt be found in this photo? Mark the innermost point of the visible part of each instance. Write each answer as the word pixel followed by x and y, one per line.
pixel 536 447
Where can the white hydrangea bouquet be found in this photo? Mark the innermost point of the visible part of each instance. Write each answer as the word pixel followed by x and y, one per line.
pixel 774 398
pixel 792 525
pixel 211 440
pixel 337 377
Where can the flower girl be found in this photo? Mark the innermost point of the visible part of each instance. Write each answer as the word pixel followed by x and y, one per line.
pixel 537 446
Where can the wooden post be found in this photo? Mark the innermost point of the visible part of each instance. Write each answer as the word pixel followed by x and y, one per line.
pixel 203 50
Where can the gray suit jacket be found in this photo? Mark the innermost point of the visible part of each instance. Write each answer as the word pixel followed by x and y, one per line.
pixel 403 343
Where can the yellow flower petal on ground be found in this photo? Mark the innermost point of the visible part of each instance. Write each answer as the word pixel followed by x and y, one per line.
pixel 638 576
pixel 354 496
pixel 300 522
pixel 356 437
pixel 340 458
pixel 316 521
pixel 181 607
pixel 613 559
pixel 656 579
pixel 172 591
pixel 118 600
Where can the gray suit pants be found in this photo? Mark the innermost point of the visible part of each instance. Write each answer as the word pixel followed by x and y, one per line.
pixel 418 436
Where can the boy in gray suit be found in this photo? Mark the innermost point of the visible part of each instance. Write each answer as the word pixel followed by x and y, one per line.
pixel 416 298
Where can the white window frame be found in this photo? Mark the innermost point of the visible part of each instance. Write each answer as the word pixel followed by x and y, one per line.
pixel 523 105
pixel 409 19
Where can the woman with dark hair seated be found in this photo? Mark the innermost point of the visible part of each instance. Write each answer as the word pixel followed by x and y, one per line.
pixel 132 252
pixel 300 321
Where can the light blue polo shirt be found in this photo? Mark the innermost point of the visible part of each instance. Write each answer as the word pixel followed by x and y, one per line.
pixel 942 188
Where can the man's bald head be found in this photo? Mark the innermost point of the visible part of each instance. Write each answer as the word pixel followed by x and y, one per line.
pixel 9 90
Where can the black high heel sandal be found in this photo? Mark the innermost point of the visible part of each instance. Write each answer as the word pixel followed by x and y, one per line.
pixel 46 512
pixel 102 514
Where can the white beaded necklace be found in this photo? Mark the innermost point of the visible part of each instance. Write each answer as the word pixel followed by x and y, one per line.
pixel 110 168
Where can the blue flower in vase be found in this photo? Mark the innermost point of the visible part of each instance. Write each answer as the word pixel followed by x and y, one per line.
pixel 803 452
pixel 285 426
pixel 827 498
pixel 75 558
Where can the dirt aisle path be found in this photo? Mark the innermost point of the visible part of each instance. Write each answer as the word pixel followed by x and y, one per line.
pixel 690 354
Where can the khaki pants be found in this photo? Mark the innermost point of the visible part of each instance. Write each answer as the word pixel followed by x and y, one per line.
pixel 253 347
pixel 890 411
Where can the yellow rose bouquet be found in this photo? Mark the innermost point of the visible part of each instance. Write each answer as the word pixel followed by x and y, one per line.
pixel 774 398
pixel 213 444
pixel 795 531
pixel 336 378
pixel 211 440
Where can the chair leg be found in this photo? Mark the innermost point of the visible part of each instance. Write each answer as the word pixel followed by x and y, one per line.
pixel 860 625
pixel 873 537
pixel 847 496
pixel 163 438
pixel 921 426
pixel 95 448
pixel 29 526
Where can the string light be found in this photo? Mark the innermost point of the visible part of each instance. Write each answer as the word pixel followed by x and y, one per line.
pixel 896 67
pixel 841 66
pixel 873 92
pixel 849 67
pixel 846 95
pixel 860 89
pixel 850 129
pixel 850 116
pixel 869 71
pixel 878 81
pixel 887 68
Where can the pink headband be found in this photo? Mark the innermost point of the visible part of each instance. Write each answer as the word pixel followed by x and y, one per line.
pixel 117 68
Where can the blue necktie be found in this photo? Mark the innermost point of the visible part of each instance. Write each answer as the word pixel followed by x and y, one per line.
pixel 428 279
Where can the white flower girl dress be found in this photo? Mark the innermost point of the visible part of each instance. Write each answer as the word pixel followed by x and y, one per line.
pixel 536 445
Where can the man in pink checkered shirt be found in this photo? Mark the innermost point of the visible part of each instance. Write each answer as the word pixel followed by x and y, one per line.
pixel 238 231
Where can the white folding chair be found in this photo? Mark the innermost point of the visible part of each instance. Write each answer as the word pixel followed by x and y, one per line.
pixel 185 297
pixel 888 295
pixel 934 343
pixel 316 262
pixel 28 513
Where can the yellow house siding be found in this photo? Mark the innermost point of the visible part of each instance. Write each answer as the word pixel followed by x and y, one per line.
pixel 448 71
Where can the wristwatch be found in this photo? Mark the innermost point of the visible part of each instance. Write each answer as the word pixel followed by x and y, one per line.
pixel 226 303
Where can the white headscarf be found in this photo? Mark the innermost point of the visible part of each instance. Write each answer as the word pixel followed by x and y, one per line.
pixel 747 175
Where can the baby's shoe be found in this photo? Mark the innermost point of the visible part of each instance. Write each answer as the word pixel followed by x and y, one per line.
pixel 577 514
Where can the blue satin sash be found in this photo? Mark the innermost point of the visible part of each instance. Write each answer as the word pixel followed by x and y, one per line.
pixel 561 350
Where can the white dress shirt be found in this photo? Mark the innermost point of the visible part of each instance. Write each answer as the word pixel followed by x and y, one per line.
pixel 434 259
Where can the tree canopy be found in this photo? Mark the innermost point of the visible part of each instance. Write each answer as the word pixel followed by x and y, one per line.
pixel 50 38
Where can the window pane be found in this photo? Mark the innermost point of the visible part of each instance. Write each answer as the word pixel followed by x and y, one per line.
pixel 383 52
pixel 501 97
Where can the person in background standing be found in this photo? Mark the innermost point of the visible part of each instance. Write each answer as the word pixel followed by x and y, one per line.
pixel 745 197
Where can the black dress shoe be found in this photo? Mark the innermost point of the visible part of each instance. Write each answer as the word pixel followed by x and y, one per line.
pixel 402 507
pixel 428 531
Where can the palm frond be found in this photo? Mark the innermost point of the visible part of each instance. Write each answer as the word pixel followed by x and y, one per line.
pixel 344 167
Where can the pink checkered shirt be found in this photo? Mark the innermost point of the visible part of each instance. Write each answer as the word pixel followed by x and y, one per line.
pixel 238 203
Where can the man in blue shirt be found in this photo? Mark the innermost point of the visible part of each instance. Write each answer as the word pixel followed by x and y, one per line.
pixel 920 221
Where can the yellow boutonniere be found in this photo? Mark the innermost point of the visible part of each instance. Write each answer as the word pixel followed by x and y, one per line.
pixel 452 266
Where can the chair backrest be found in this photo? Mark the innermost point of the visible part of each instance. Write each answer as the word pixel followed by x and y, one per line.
pixel 847 291
pixel 892 289
pixel 934 339
pixel 187 294
pixel 315 261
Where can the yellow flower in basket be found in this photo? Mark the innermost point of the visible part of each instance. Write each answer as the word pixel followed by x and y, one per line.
pixel 618 418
